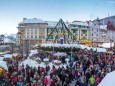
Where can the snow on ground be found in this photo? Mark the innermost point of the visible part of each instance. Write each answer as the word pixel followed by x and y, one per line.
pixel 33 63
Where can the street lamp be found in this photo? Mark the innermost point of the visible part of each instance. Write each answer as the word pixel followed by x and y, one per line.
pixel 53 40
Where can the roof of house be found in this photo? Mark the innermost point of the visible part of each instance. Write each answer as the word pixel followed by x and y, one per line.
pixel 80 23
pixel 33 20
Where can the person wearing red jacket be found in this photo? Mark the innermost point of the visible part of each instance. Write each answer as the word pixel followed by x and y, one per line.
pixel 45 82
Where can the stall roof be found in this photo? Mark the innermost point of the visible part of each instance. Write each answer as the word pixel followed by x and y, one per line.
pixel 8 55
pixel 1 58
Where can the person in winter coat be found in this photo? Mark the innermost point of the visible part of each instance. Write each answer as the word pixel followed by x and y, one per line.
pixel 98 79
pixel 63 78
pixel 45 81
pixel 92 81
pixel 19 83
pixel 84 82
pixel 87 75
pixel 76 74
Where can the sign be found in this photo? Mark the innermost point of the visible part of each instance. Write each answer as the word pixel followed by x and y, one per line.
pixel 86 42
pixel 61 40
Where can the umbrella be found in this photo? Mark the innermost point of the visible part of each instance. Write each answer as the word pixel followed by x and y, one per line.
pixel 108 80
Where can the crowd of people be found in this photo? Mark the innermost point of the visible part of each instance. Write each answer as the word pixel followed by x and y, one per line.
pixel 85 68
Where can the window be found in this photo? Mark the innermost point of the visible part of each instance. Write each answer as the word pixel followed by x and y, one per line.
pixel 97 30
pixel 27 36
pixel 97 34
pixel 22 31
pixel 23 36
pixel 79 26
pixel 92 29
pixel 35 31
pixel 31 30
pixel 27 31
pixel 41 30
pixel 40 36
pixel 35 36
pixel 87 26
pixel 92 34
pixel 43 36
pixel 31 36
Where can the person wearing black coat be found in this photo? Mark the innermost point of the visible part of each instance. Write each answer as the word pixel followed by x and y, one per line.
pixel 27 79
pixel 85 84
pixel 63 78
pixel 87 75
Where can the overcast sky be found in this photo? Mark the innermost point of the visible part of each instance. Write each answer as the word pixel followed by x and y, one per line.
pixel 13 11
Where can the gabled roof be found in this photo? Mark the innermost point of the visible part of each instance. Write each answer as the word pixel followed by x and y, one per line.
pixel 54 23
pixel 80 23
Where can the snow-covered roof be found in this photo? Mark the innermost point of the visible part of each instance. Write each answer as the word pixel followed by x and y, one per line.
pixel 54 23
pixel 3 46
pixel 33 20
pixel 74 46
pixel 10 38
pixel 51 23
pixel 3 65
pixel 10 35
pixel 15 54
pixel 4 52
pixel 8 55
pixel 103 27
pixel 32 52
pixel 1 58
pixel 80 23
pixel 7 40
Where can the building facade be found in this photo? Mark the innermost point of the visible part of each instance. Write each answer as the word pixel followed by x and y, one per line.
pixel 35 31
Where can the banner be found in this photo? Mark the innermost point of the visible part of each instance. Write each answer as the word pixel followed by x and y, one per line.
pixel 61 40
pixel 86 42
